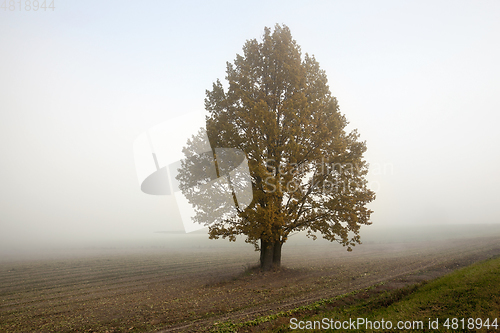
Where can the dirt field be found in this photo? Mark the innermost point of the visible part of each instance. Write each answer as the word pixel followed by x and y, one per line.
pixel 170 291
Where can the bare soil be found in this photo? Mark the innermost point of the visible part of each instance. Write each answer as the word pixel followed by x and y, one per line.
pixel 169 291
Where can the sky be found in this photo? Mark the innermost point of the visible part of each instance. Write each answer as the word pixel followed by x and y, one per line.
pixel 78 84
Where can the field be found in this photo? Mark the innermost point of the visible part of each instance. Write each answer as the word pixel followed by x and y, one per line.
pixel 174 290
pixel 467 299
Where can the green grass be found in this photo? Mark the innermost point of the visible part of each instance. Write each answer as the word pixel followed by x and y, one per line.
pixel 471 292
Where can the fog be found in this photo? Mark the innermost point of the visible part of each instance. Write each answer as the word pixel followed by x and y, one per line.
pixel 78 84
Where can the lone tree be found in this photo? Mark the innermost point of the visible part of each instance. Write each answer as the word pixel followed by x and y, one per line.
pixel 307 173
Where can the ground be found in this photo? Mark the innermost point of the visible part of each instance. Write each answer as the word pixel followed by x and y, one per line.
pixel 173 291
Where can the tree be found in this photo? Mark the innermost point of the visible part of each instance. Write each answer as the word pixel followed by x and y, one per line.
pixel 307 173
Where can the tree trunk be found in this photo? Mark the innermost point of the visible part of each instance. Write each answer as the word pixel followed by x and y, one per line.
pixel 277 254
pixel 270 255
pixel 266 255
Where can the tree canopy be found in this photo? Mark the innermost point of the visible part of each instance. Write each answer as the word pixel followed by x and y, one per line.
pixel 307 173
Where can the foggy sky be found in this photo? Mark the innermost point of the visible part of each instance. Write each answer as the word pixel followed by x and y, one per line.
pixel 78 84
